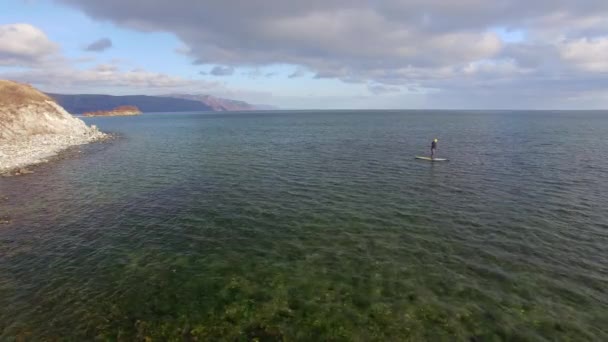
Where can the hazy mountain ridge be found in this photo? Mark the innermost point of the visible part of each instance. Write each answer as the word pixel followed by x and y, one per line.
pixel 82 103
pixel 217 103
pixel 222 104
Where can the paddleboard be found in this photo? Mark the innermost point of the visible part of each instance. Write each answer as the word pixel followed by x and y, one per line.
pixel 431 159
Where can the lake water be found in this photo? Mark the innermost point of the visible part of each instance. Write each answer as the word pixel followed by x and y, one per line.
pixel 314 226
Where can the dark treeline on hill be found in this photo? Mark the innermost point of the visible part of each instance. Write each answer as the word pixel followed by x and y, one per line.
pixel 78 104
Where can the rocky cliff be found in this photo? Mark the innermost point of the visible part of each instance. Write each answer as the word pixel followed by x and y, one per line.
pixel 33 127
pixel 118 111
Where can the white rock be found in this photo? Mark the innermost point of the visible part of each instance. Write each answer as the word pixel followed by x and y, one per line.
pixel 34 128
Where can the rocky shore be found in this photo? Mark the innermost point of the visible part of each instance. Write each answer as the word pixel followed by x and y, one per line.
pixel 34 128
pixel 39 148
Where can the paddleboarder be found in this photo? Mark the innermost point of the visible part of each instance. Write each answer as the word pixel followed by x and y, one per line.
pixel 434 147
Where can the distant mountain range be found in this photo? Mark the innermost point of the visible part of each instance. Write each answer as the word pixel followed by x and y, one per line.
pixel 81 103
pixel 220 104
pixel 216 103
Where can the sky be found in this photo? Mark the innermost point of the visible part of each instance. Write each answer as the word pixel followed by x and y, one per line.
pixel 317 54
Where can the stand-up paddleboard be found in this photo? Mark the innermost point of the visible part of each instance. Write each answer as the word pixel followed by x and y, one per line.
pixel 432 159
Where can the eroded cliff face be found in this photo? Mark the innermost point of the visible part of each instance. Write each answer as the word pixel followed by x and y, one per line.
pixel 34 127
pixel 24 112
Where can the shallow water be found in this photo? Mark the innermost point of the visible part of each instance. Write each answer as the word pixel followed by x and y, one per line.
pixel 314 226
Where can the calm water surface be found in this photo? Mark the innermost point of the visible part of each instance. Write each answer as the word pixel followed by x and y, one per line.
pixel 314 226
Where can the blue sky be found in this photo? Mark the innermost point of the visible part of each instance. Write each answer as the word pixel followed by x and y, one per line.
pixel 344 54
pixel 159 52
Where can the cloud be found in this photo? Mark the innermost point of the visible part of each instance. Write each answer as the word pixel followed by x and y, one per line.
pixel 222 71
pixel 253 74
pixel 454 49
pixel 44 67
pixel 182 50
pixel 99 45
pixel 23 45
pixel 379 89
pixel 102 75
pixel 27 46
pixel 298 73
pixel 353 32
pixel 587 54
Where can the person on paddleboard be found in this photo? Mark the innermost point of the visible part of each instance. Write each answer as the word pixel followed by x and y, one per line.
pixel 434 147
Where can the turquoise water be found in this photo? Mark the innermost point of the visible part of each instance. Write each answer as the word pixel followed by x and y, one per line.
pixel 307 226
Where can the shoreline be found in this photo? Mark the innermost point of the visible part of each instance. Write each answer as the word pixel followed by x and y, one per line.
pixel 38 149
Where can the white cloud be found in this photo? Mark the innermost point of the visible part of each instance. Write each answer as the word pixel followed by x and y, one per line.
pixel 24 44
pixel 379 89
pixel 28 47
pixel 506 67
pixel 105 75
pixel 587 54
pixel 449 46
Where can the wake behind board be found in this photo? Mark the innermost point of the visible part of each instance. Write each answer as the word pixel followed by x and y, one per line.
pixel 431 159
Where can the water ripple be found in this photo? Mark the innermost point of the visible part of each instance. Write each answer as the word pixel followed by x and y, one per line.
pixel 315 226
